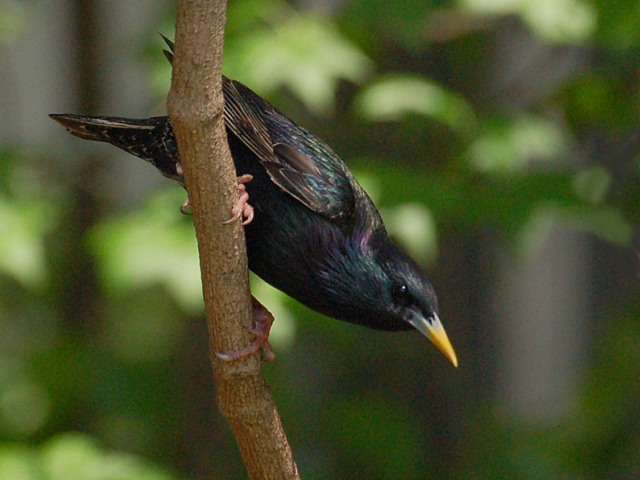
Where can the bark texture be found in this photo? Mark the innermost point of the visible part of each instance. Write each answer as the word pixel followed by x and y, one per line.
pixel 195 107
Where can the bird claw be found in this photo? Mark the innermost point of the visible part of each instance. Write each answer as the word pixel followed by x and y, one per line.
pixel 185 208
pixel 242 209
pixel 263 321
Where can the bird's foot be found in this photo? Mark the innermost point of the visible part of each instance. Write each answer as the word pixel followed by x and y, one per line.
pixel 242 209
pixel 263 320
pixel 185 208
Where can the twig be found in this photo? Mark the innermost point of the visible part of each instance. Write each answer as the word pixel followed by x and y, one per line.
pixel 195 107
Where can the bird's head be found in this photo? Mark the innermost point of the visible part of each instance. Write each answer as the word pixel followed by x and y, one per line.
pixel 380 286
pixel 410 298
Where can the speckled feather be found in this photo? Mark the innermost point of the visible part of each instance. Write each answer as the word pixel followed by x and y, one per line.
pixel 306 240
pixel 316 235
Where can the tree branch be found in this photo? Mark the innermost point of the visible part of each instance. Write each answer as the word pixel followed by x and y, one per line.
pixel 195 107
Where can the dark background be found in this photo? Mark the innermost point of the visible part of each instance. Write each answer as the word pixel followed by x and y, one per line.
pixel 500 140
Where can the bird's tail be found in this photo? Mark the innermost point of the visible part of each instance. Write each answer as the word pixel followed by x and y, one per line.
pixel 151 139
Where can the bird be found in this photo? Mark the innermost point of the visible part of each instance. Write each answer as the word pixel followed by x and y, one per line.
pixel 314 234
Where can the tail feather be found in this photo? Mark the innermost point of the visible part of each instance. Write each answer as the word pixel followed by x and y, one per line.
pixel 151 139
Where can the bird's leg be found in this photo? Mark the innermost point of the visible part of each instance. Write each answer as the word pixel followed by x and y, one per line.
pixel 242 209
pixel 263 320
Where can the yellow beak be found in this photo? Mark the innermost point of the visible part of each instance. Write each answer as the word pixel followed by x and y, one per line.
pixel 432 328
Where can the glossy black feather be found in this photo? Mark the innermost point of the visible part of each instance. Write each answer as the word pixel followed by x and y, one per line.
pixel 316 234
pixel 295 159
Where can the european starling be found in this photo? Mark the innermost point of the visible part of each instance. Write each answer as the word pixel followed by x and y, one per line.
pixel 316 235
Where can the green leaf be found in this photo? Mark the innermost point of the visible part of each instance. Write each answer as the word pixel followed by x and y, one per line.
pixel 77 457
pixel 24 227
pixel 413 226
pixel 154 245
pixel 19 463
pixel 510 146
pixel 554 20
pixel 605 222
pixel 394 97
pixel 305 53
pixel 74 456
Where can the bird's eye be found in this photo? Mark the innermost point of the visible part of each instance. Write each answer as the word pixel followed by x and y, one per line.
pixel 401 293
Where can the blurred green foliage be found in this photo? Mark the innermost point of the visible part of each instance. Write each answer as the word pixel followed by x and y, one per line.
pixel 452 141
pixel 150 246
pixel 394 97
pixel 27 215
pixel 73 457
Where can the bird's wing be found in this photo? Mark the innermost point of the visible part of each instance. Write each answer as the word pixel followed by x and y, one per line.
pixel 296 161
pixel 316 177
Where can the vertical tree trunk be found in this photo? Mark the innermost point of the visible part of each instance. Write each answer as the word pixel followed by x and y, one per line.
pixel 195 107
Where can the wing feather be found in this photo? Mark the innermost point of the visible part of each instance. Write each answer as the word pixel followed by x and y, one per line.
pixel 315 177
